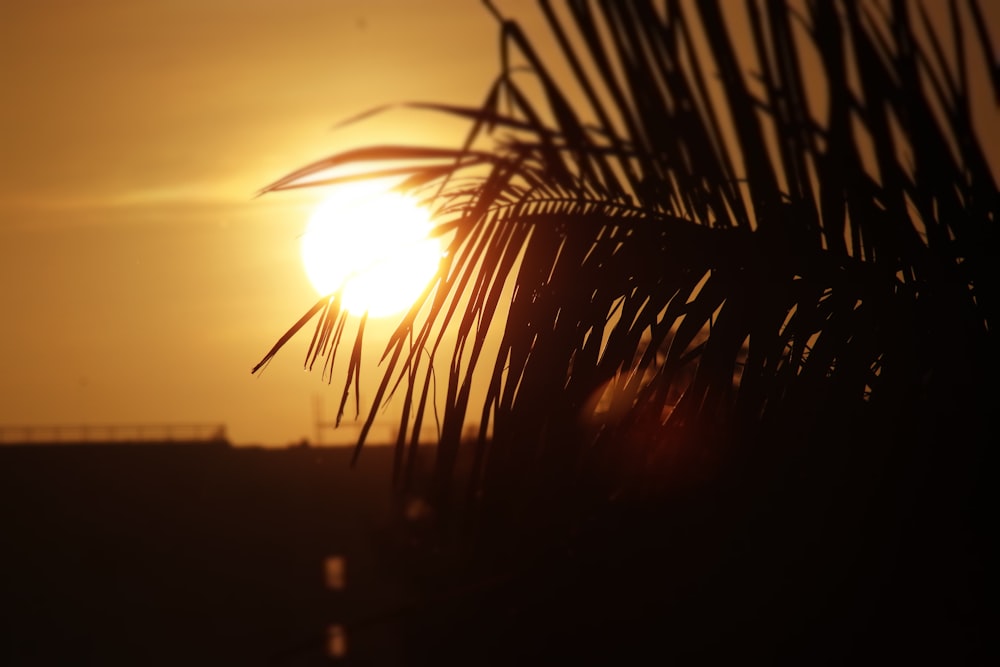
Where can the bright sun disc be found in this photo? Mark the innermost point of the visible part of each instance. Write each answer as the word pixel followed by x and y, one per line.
pixel 374 244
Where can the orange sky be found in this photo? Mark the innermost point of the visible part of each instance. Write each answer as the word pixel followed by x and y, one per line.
pixel 140 279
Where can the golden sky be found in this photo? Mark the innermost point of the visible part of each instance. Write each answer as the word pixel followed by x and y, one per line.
pixel 139 278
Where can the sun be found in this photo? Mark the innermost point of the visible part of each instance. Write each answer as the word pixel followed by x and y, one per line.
pixel 374 245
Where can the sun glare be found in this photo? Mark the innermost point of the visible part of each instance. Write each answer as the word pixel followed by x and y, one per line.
pixel 372 243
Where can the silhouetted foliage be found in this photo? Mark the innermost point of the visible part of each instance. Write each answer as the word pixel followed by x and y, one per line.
pixel 708 267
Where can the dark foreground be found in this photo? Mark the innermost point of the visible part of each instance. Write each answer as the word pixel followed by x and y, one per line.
pixel 187 554
pixel 211 555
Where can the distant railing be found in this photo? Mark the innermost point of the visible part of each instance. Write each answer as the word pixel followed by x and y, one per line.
pixel 113 433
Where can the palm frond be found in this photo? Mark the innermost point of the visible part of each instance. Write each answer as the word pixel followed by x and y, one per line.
pixel 696 257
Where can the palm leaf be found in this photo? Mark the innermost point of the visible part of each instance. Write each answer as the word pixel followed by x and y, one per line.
pixel 699 261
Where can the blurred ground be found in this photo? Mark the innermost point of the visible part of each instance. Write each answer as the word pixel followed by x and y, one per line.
pixel 187 554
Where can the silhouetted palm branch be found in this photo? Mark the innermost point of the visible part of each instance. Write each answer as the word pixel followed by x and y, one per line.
pixel 683 254
pixel 698 257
